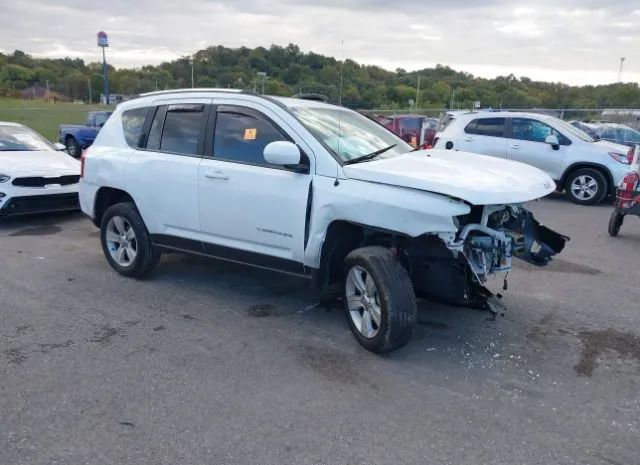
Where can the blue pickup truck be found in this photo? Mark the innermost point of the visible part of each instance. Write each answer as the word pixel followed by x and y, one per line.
pixel 80 136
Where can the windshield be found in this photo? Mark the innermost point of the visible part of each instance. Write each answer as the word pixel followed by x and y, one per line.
pixel 562 125
pixel 348 134
pixel 19 138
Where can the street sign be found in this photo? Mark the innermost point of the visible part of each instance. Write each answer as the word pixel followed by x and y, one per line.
pixel 103 40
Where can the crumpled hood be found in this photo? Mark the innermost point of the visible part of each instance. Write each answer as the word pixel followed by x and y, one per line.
pixel 49 161
pixel 478 179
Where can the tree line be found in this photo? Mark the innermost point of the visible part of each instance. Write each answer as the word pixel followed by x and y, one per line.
pixel 288 71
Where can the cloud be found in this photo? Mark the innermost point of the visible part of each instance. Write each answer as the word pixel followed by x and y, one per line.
pixel 578 41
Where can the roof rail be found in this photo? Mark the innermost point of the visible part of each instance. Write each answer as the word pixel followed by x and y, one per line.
pixel 198 89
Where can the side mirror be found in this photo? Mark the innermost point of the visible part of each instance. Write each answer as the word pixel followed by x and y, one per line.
pixel 60 147
pixel 282 153
pixel 552 140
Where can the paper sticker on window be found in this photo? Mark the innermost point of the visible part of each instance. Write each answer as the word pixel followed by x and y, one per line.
pixel 250 134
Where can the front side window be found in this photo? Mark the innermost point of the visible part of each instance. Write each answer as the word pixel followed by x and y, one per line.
pixel 493 127
pixel 132 123
pixel 533 130
pixel 348 134
pixel 241 135
pixel 182 127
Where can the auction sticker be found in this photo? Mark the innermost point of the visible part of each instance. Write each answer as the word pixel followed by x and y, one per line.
pixel 250 134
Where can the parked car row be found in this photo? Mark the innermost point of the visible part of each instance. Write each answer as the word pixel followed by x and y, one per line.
pixel 417 130
pixel 612 132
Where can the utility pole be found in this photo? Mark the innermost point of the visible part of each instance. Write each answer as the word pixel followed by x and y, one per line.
pixel 418 94
pixel 192 60
pixel 88 85
pixel 263 77
pixel 620 72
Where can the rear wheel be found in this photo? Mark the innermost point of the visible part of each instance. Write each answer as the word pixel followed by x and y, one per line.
pixel 615 222
pixel 73 148
pixel 126 242
pixel 379 299
pixel 586 187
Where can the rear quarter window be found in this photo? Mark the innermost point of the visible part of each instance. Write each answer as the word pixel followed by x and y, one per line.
pixel 132 123
pixel 493 127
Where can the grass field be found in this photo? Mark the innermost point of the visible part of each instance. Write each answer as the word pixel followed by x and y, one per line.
pixel 44 117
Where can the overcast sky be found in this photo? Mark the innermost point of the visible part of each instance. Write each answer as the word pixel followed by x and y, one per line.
pixel 574 41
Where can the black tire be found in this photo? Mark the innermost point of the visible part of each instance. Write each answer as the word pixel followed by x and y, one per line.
pixel 147 256
pixel 597 176
pixel 615 222
pixel 73 148
pixel 396 297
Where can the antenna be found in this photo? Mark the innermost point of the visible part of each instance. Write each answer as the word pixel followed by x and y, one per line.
pixel 340 110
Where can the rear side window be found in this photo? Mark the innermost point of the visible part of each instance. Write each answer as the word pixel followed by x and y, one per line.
pixel 242 137
pixel 132 123
pixel 494 127
pixel 182 128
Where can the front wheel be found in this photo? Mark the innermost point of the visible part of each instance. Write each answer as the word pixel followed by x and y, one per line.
pixel 379 299
pixel 126 242
pixel 615 222
pixel 586 187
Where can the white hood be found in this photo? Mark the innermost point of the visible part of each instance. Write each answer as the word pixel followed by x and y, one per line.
pixel 478 179
pixel 34 162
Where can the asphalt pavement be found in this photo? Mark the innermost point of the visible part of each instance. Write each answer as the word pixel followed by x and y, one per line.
pixel 214 363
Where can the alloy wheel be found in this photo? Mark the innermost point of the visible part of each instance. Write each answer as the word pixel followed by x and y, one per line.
pixel 363 301
pixel 584 187
pixel 121 241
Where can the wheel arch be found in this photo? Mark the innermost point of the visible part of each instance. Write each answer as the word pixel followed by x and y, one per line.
pixel 106 197
pixel 341 238
pixel 595 166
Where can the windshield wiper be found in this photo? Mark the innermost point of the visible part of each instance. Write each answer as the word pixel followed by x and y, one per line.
pixel 368 156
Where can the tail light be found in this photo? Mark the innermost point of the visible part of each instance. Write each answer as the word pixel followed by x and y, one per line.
pixel 82 155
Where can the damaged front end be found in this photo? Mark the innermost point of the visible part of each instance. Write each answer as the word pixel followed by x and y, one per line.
pixel 487 240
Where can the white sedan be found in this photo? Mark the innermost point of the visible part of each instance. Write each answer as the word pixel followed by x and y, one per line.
pixel 35 176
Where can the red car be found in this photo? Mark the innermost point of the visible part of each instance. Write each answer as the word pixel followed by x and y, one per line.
pixel 417 130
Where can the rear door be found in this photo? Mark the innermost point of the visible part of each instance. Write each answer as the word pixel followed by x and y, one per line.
pixel 486 136
pixel 527 145
pixel 162 176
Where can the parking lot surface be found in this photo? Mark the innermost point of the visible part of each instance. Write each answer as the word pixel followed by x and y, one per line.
pixel 209 362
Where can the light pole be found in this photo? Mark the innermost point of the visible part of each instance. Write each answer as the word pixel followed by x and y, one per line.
pixel 103 42
pixel 620 72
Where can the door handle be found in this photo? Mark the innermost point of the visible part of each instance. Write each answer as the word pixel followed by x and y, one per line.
pixel 514 146
pixel 216 175
pixel 468 139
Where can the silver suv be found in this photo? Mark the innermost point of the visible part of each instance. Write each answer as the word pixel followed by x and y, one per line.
pixel 586 169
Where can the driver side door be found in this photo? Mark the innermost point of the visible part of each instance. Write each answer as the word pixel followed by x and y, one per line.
pixel 527 145
pixel 251 211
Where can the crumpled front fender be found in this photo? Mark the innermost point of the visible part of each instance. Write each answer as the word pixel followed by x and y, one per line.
pixel 533 242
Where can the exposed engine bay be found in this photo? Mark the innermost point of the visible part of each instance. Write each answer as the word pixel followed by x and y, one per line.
pixel 488 238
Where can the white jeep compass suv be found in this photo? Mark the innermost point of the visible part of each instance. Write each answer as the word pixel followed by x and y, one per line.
pixel 586 169
pixel 313 190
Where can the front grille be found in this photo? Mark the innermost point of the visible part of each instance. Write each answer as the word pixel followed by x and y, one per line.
pixel 41 181
pixel 40 204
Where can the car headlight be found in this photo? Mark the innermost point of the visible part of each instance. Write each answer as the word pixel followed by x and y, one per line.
pixel 620 157
pixel 4 178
